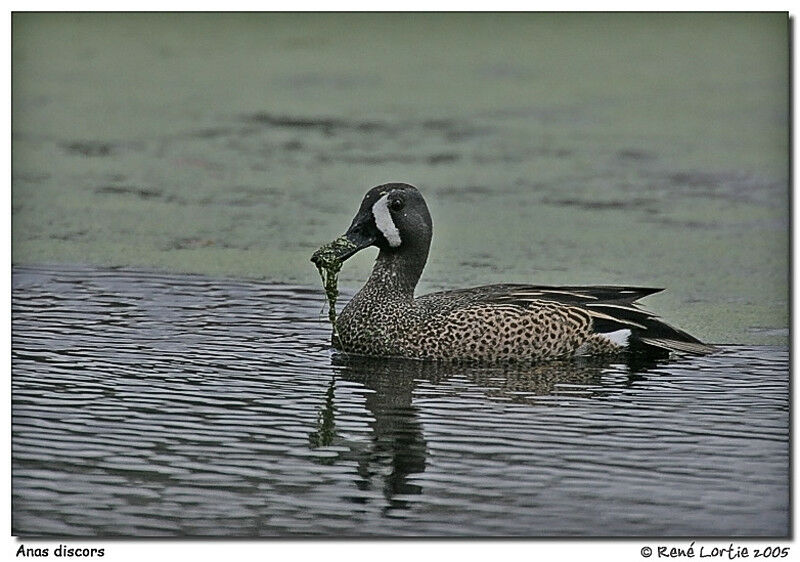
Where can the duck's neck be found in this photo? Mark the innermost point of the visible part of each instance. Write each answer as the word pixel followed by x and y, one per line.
pixel 396 274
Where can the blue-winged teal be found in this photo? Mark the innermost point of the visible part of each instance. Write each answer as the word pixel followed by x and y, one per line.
pixel 490 323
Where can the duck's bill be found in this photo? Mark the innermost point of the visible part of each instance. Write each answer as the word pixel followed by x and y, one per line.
pixel 340 249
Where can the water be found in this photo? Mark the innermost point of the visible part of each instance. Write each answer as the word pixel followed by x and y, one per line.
pixel 165 405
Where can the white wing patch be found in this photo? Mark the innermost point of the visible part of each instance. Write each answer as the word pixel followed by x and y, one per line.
pixel 384 222
pixel 620 337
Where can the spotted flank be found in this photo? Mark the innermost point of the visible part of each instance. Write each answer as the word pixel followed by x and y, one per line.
pixel 492 323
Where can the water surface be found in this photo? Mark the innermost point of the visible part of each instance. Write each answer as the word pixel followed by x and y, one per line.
pixel 162 405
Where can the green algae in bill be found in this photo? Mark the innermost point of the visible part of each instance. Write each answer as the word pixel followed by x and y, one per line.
pixel 329 263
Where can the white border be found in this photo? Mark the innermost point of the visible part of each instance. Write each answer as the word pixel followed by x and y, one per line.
pixel 331 550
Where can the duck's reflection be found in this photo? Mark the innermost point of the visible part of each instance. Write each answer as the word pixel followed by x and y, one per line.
pixel 398 450
pixel 397 446
pixel 398 443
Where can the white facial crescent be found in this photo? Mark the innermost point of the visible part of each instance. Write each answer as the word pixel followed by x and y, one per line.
pixel 384 222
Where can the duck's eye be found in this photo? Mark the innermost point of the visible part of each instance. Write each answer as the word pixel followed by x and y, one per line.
pixel 396 204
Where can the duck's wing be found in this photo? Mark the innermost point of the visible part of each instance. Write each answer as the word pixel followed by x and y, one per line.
pixel 610 307
pixel 570 295
pixel 524 295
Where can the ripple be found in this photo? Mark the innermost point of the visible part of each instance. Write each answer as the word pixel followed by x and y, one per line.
pixel 150 404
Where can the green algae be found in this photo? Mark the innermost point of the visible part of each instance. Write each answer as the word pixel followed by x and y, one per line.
pixel 325 431
pixel 329 263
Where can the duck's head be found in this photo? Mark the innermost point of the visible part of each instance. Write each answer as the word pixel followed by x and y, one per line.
pixel 393 217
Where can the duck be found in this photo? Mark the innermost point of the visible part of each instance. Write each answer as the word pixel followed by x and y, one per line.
pixel 487 324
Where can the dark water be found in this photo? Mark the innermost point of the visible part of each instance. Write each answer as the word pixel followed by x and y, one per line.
pixel 148 404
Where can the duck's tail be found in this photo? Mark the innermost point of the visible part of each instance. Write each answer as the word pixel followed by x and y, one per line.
pixel 647 331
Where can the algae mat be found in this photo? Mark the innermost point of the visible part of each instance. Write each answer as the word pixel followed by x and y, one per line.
pixel 553 148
